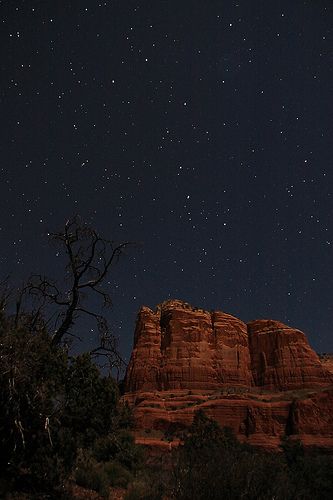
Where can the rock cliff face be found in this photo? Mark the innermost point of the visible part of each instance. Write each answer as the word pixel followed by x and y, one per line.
pixel 262 379
pixel 327 362
pixel 179 347
pixel 282 359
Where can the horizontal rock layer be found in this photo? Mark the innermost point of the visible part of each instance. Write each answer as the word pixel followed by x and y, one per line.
pixel 258 419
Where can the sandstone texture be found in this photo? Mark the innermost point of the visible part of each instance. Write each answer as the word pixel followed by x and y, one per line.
pixel 262 379
pixel 179 346
pixel 281 357
pixel 327 362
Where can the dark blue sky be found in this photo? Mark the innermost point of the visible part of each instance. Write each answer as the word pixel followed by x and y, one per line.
pixel 200 130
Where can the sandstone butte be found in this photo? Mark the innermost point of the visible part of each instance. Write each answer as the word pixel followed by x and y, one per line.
pixel 262 379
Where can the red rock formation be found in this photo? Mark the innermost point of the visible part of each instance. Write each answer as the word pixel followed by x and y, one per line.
pixel 232 355
pixel 327 362
pixel 282 359
pixel 312 418
pixel 180 347
pixel 261 379
pixel 144 365
pixel 255 418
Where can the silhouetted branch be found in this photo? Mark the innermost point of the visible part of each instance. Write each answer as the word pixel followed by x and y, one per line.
pixel 90 258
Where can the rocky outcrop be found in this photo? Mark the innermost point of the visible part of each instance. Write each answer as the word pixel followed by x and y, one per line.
pixel 327 362
pixel 179 346
pixel 282 359
pixel 144 366
pixel 262 379
pixel 232 356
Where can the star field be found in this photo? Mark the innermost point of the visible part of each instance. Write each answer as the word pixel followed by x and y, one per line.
pixel 202 131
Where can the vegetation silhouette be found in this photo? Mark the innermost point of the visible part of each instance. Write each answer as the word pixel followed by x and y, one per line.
pixel 57 408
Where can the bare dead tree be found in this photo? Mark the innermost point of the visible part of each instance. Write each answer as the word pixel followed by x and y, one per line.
pixel 90 258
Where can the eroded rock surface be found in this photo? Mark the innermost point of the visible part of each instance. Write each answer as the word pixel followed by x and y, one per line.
pixel 262 379
pixel 179 346
pixel 327 362
pixel 282 359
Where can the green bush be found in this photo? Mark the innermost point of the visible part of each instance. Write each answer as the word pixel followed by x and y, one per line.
pixel 91 474
pixel 118 446
pixel 99 476
pixel 91 401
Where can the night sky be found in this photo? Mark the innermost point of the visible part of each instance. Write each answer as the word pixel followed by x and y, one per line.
pixel 201 130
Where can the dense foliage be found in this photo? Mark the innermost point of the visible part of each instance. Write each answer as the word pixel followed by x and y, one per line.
pixel 57 414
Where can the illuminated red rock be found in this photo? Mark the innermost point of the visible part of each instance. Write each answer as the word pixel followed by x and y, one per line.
pixel 179 346
pixel 282 358
pixel 312 418
pixel 262 379
pixel 232 355
pixel 327 362
pixel 144 366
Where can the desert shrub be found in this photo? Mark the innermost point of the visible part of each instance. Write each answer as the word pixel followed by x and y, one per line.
pixel 90 474
pixel 99 476
pixel 118 446
pixel 91 401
